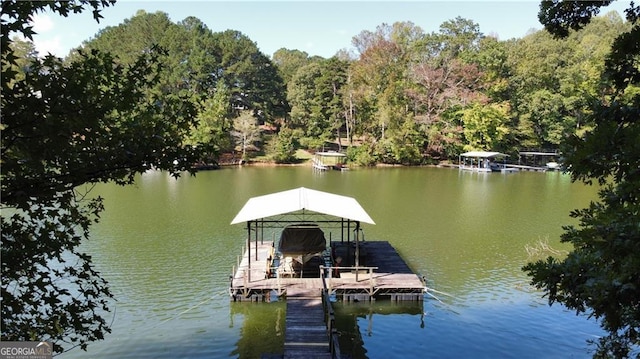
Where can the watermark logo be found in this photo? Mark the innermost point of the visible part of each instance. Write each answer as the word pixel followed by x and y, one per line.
pixel 26 350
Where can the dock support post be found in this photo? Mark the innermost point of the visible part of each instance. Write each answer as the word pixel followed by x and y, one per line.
pixel 256 237
pixel 249 247
pixel 357 248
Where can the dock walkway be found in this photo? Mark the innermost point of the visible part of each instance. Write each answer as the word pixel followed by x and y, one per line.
pixel 306 332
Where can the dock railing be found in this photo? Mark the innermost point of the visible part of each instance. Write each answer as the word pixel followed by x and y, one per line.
pixel 326 273
pixel 330 320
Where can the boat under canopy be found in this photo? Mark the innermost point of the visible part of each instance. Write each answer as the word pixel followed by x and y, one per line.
pixel 297 210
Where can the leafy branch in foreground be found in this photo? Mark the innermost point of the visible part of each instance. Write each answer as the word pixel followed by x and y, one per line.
pixel 601 275
pixel 67 126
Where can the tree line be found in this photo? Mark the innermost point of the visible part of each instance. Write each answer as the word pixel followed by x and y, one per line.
pixel 400 96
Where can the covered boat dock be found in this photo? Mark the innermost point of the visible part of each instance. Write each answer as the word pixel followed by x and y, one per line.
pixel 540 160
pixel 483 161
pixel 287 250
pixel 323 161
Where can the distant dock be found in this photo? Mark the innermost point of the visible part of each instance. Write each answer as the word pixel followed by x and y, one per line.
pixel 508 166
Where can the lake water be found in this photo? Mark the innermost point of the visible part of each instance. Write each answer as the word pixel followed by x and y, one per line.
pixel 167 249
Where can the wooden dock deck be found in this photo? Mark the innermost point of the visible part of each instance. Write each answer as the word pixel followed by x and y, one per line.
pixel 381 274
pixel 306 331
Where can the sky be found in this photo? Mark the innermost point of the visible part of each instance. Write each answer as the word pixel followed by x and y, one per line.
pixel 318 28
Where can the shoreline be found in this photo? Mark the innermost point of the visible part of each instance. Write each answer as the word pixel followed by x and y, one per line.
pixel 307 163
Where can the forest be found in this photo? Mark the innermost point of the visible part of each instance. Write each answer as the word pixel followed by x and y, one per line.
pixel 400 96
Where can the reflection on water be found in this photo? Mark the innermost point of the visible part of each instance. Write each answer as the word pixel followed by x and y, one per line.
pixel 357 321
pixel 263 328
pixel 167 250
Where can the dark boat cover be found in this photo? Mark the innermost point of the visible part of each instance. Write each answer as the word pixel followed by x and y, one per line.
pixel 300 239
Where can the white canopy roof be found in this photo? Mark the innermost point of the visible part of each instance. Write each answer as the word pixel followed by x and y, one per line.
pixel 482 154
pixel 330 154
pixel 302 198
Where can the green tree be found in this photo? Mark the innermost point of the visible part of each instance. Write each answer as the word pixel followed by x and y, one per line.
pixel 545 116
pixel 189 66
pixel 24 52
pixel 283 146
pixel 485 126
pixel 457 39
pixel 305 105
pixel 135 35
pixel 330 88
pixel 65 127
pixel 253 79
pixel 601 275
pixel 315 95
pixel 443 80
pixel 492 61
pixel 213 123
pixel 197 59
pixel 535 87
pixel 554 80
pixel 289 61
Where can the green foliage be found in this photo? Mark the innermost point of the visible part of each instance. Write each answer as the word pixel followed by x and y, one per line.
pixel 457 39
pixel 213 123
pixel 289 61
pixel 554 81
pixel 65 127
pixel 379 77
pixel 24 52
pixel 313 143
pixel 198 61
pixel 394 151
pixel 315 96
pixel 485 126
pixel 601 275
pixel 283 146
pixel 402 146
pixel 560 16
pixel 362 155
pixel 545 114
pixel 492 61
pixel 253 79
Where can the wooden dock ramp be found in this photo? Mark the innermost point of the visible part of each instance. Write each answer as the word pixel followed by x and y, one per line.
pixel 306 333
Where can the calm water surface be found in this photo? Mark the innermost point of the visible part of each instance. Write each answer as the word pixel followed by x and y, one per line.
pixel 167 249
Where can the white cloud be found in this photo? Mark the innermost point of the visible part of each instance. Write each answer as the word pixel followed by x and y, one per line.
pixel 45 40
pixel 41 23
pixel 52 45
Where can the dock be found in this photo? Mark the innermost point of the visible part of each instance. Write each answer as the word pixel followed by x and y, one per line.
pixel 306 331
pixel 381 274
pixel 323 161
pixel 308 273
